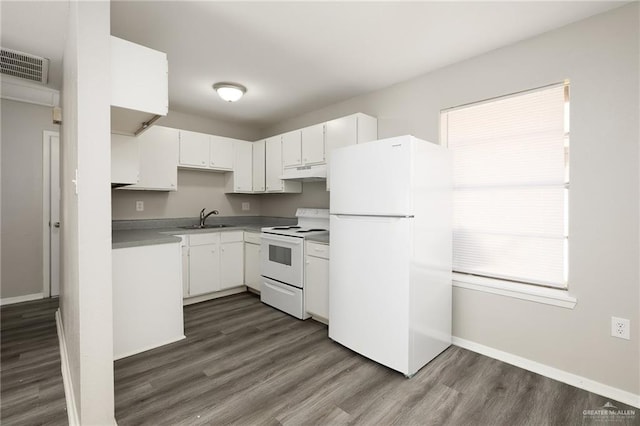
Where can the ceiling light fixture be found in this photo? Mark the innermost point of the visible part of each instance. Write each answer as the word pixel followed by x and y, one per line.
pixel 230 92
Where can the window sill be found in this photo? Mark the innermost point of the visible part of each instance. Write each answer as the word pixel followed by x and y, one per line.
pixel 547 296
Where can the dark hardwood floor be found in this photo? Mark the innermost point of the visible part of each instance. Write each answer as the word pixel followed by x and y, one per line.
pixel 31 390
pixel 245 363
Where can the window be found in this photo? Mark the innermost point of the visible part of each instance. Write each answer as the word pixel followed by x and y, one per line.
pixel 511 186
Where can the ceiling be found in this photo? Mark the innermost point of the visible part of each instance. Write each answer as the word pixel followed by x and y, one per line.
pixel 295 57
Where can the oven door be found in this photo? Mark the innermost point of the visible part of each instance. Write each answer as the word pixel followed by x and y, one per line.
pixel 281 258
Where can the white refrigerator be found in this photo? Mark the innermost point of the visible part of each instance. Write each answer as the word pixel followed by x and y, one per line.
pixel 390 264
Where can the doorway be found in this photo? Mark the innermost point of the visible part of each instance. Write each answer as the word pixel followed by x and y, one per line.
pixel 51 213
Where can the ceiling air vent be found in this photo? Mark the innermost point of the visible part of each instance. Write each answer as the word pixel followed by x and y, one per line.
pixel 24 65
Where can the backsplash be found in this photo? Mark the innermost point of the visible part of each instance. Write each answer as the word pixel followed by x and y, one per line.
pixel 196 190
pixel 121 225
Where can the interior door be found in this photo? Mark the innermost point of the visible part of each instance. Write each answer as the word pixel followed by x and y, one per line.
pixel 54 215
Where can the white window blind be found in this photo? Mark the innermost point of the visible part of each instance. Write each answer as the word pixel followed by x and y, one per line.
pixel 510 162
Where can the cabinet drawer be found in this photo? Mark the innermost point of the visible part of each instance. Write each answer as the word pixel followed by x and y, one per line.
pixel 232 236
pixel 252 237
pixel 317 250
pixel 201 239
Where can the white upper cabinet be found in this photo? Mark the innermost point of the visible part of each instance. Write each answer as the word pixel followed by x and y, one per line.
pixel 125 159
pixel 158 160
pixel 292 149
pixel 313 144
pixel 206 152
pixel 221 153
pixel 258 164
pixel 194 149
pixel 241 179
pixel 231 259
pixel 273 168
pixel 139 86
pixel 146 162
pixel 349 130
pixel 303 147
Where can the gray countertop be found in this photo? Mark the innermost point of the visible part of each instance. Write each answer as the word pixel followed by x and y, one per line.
pixel 131 234
pixel 319 238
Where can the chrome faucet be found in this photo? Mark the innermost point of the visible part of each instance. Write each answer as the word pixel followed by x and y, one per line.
pixel 204 217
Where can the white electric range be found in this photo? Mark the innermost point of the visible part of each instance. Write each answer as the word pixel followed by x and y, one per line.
pixel 282 260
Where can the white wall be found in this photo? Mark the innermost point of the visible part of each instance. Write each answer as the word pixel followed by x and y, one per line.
pixel 196 189
pixel 85 293
pixel 314 194
pixel 22 130
pixel 600 57
pixel 180 120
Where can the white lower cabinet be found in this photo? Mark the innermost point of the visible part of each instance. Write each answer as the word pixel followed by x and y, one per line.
pixel 215 262
pixel 231 259
pixel 204 269
pixel 252 260
pixel 184 247
pixel 147 302
pixel 316 284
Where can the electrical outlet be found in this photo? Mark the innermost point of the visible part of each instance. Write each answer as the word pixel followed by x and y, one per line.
pixel 139 206
pixel 246 206
pixel 621 327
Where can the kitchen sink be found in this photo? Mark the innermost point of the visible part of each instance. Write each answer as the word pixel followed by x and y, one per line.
pixel 213 226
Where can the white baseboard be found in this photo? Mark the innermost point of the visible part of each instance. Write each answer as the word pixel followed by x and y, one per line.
pixel 551 372
pixel 211 296
pixel 20 299
pixel 72 411
pixel 144 349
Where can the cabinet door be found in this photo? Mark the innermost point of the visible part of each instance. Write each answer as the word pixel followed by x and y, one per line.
pixel 316 286
pixel 252 266
pixel 194 149
pixel 313 144
pixel 158 159
pixel 258 163
pixel 125 159
pixel 292 149
pixel 231 264
pixel 242 167
pixel 341 132
pixel 185 271
pixel 273 164
pixel 139 77
pixel 204 269
pixel 221 153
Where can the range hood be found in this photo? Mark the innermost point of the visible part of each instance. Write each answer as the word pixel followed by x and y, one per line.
pixel 306 173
